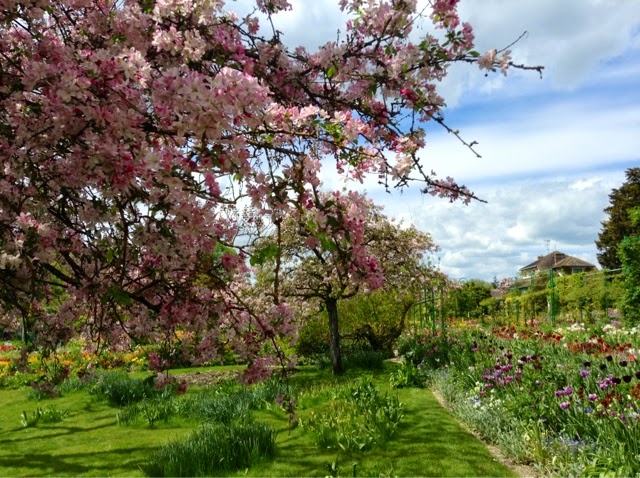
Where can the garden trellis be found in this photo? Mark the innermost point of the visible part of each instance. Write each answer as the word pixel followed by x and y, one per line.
pixel 549 295
pixel 426 312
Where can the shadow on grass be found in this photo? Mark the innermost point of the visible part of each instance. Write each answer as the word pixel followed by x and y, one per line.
pixel 47 464
pixel 67 431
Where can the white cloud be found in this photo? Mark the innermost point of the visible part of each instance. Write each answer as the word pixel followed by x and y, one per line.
pixel 512 229
pixel 559 137
pixel 569 37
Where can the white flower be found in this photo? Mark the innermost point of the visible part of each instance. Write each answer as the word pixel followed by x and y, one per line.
pixel 486 61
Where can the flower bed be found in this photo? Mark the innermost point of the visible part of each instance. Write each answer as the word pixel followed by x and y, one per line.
pixel 566 399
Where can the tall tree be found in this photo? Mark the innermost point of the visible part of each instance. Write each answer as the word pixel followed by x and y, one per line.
pixel 629 252
pixel 619 224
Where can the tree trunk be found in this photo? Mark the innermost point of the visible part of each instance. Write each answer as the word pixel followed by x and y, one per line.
pixel 336 358
pixel 24 332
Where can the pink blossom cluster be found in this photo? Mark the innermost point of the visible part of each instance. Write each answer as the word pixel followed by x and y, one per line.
pixel 132 132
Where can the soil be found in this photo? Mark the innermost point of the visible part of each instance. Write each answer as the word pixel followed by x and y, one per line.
pixel 207 378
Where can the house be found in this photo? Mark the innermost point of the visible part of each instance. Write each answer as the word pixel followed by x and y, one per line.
pixel 561 264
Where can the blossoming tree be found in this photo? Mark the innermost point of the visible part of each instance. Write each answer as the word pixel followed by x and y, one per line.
pixel 312 262
pixel 133 131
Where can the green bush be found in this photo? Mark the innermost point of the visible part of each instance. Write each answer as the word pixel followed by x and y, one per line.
pixel 366 359
pixel 375 320
pixel 313 339
pixel 215 450
pixel 368 322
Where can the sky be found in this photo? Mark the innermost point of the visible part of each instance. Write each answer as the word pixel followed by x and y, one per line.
pixel 552 148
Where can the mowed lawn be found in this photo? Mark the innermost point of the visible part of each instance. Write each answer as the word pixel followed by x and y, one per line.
pixel 90 442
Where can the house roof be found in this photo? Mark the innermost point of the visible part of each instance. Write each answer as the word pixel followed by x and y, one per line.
pixel 555 260
pixel 571 261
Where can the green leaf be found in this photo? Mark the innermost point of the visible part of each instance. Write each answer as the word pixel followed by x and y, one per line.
pixel 332 221
pixel 474 54
pixel 119 296
pixel 328 244
pixel 264 254
pixel 331 71
pixel 147 5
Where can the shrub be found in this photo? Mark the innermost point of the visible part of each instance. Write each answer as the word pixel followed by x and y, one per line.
pixel 374 320
pixel 366 359
pixel 313 338
pixel 42 391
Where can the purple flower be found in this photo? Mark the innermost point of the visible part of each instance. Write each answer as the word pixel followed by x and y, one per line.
pixel 593 397
pixel 568 390
pixel 565 405
pixel 584 373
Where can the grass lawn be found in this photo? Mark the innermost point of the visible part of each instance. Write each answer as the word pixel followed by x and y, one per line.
pixel 429 442
pixel 87 442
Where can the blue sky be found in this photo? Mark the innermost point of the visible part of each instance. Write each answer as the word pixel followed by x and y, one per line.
pixel 552 148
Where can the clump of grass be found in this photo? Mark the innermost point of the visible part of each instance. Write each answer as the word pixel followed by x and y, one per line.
pixel 223 403
pixel 229 401
pixel 408 375
pixel 360 418
pixel 121 390
pixel 152 410
pixel 215 450
pixel 48 414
